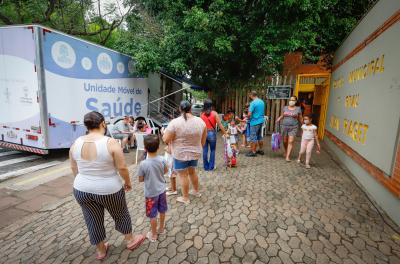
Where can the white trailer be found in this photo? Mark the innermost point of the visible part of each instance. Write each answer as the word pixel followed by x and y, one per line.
pixel 49 80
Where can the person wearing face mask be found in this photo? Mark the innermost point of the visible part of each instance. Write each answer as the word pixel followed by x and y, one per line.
pixel 98 165
pixel 308 139
pixel 291 117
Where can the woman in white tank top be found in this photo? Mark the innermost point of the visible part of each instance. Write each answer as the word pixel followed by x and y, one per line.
pixel 98 163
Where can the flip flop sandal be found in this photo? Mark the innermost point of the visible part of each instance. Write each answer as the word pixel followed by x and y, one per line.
pixel 150 237
pixel 163 232
pixel 181 200
pixel 107 246
pixel 137 243
pixel 197 194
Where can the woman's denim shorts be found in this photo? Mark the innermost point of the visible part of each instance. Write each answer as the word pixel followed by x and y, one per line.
pixel 184 164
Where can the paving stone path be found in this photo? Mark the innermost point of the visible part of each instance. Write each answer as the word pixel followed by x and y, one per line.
pixel 264 211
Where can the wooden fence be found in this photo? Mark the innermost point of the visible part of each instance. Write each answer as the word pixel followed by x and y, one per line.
pixel 236 98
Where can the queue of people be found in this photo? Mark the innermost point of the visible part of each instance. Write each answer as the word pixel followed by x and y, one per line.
pixel 102 177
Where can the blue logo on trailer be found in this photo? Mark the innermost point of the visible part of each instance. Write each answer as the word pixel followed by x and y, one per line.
pixel 76 59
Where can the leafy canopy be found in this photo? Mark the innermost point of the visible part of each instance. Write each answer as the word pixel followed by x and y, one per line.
pixel 221 41
pixel 97 21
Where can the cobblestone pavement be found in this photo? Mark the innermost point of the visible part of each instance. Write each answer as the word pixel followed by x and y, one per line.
pixel 264 211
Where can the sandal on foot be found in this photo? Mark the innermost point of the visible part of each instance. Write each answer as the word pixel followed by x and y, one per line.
pixel 308 166
pixel 163 232
pixel 150 237
pixel 298 161
pixel 181 200
pixel 197 194
pixel 101 258
pixel 135 243
pixel 171 193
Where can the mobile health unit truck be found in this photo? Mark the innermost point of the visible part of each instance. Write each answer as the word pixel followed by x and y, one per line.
pixel 49 80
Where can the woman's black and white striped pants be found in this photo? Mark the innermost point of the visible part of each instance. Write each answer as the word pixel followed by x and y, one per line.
pixel 93 212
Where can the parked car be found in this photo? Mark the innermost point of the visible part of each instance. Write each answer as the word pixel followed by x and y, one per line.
pixel 196 109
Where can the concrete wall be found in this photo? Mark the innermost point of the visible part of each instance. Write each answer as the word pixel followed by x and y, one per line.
pixel 363 117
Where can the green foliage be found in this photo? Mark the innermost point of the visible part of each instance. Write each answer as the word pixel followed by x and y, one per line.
pixel 199 95
pixel 220 42
pixel 217 42
pixel 97 21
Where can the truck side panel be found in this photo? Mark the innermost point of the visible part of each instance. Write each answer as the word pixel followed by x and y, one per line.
pixel 19 104
pixel 81 77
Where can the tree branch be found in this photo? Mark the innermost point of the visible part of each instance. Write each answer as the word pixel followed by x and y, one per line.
pixel 112 27
pixel 82 33
pixel 5 19
pixel 50 10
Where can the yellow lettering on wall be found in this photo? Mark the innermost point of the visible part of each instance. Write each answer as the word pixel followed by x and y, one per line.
pixel 371 68
pixel 364 138
pixel 338 83
pixel 368 69
pixel 351 101
pixel 359 132
pixel 355 130
pixel 345 124
pixel 334 123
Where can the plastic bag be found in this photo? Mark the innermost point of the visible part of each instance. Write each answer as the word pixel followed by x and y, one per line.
pixel 276 141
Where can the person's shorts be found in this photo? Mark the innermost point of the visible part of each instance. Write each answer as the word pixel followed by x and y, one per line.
pixel 184 164
pixel 247 131
pixel 289 131
pixel 155 205
pixel 120 136
pixel 255 133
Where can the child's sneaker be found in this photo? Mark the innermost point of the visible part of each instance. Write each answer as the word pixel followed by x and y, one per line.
pixel 150 237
